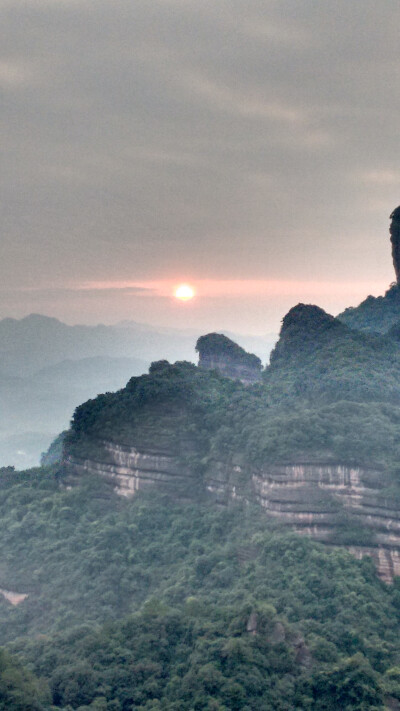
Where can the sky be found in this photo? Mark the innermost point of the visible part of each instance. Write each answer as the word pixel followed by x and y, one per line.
pixel 247 147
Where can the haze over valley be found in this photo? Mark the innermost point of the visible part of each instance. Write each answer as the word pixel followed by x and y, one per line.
pixel 49 368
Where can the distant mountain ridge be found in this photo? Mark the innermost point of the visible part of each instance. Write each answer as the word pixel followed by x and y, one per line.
pixel 36 341
pixel 47 368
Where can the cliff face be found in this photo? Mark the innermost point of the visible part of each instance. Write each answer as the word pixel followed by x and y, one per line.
pixel 395 240
pixel 217 352
pixel 230 368
pixel 130 470
pixel 330 398
pixel 332 503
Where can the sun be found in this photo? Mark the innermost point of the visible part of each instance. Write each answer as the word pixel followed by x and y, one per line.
pixel 184 292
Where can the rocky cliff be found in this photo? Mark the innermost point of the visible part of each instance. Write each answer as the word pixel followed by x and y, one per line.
pixel 217 352
pixel 332 503
pixel 395 240
pixel 316 444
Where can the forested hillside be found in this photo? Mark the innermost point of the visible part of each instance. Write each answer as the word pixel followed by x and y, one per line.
pixel 47 368
pixel 152 605
pixel 168 600
pixel 329 392
pixel 376 314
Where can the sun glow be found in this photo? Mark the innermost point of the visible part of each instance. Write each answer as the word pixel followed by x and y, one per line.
pixel 184 292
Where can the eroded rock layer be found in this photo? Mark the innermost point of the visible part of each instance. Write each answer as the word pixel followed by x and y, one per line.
pixel 332 503
pixel 231 369
pixel 130 470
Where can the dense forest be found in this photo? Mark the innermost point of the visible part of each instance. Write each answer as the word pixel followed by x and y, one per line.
pixel 376 314
pixel 150 604
pixel 168 602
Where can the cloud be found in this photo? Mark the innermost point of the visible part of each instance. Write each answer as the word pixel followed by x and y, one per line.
pixel 149 141
pixel 87 290
pixel 382 177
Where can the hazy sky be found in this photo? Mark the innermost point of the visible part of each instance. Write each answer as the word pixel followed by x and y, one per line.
pixel 248 147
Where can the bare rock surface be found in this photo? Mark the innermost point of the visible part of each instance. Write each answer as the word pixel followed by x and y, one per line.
pixel 218 352
pixel 319 500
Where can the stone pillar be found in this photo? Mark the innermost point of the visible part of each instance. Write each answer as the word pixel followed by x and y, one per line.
pixel 395 240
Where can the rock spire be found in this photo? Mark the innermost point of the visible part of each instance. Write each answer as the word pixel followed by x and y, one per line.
pixel 395 240
pixel 218 352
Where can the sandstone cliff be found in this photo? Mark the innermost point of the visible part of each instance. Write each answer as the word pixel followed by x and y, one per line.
pixel 316 444
pixel 395 240
pixel 332 503
pixel 217 352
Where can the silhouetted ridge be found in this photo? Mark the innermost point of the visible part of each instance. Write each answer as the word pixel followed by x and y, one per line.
pixel 395 240
pixel 376 314
pixel 320 359
pixel 308 318
pixel 303 328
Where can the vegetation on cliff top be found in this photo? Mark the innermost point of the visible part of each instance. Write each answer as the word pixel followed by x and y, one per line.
pixel 218 345
pixel 376 314
pixel 329 394
pixel 318 359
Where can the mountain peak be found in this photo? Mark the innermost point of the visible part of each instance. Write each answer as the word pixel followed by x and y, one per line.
pixel 217 351
pixel 309 317
pixel 304 328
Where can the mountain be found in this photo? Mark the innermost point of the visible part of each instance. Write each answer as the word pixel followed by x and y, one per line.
pixel 147 603
pixel 47 368
pixel 216 351
pixel 35 408
pixel 376 314
pixel 155 562
pixel 319 358
pixel 35 342
pixel 317 443
pixel 159 566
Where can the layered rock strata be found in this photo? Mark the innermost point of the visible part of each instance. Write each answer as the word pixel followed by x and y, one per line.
pixel 130 470
pixel 332 503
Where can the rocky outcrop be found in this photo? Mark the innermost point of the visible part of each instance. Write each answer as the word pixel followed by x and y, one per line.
pixel 332 503
pixel 130 470
pixel 217 352
pixel 303 327
pixel 377 314
pixel 395 240
pixel 13 597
